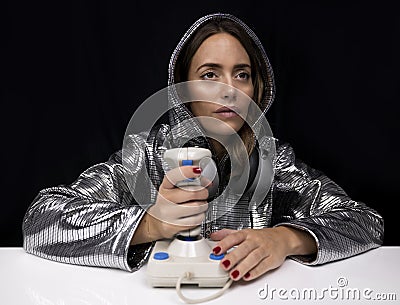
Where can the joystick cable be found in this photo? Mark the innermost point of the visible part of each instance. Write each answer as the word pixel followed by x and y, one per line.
pixel 189 275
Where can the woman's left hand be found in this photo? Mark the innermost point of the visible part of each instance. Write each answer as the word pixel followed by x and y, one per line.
pixel 257 250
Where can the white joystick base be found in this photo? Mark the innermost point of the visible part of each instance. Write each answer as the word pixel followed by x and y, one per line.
pixel 169 260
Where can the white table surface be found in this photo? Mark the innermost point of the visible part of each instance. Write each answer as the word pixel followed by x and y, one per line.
pixel 26 279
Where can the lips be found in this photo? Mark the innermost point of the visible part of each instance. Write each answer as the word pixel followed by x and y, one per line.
pixel 227 112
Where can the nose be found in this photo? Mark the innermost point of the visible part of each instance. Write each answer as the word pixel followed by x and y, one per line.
pixel 228 92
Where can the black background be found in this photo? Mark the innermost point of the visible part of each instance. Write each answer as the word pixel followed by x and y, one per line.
pixel 72 74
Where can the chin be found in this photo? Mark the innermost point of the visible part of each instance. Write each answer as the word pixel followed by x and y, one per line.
pixel 222 130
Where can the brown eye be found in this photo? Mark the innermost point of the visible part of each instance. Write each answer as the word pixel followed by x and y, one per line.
pixel 243 75
pixel 208 75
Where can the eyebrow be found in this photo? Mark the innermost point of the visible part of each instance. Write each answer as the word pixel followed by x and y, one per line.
pixel 214 65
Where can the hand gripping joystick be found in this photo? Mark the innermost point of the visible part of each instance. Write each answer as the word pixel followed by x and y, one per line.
pixel 191 156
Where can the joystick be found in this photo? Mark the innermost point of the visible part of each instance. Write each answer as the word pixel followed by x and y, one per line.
pixel 188 258
pixel 188 156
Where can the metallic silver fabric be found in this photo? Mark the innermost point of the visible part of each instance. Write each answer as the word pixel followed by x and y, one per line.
pixel 92 221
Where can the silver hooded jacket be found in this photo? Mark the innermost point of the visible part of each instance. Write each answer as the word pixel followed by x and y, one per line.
pixel 92 221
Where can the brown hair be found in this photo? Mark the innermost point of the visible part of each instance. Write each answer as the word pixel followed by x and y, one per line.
pixel 208 29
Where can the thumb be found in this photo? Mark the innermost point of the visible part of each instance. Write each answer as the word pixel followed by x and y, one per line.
pixel 221 234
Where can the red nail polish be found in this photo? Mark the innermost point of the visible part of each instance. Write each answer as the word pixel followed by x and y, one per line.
pixel 197 170
pixel 247 275
pixel 226 263
pixel 217 249
pixel 235 274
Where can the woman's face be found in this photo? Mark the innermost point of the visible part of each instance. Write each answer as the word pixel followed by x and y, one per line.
pixel 222 58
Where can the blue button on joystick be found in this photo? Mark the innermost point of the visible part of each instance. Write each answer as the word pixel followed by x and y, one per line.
pixel 187 162
pixel 161 256
pixel 217 257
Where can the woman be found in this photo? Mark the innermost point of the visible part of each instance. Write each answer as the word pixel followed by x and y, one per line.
pixel 98 220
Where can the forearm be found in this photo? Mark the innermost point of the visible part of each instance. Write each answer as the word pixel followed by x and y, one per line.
pixel 339 238
pixel 65 228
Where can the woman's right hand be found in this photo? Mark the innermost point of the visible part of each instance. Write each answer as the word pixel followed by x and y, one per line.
pixel 176 209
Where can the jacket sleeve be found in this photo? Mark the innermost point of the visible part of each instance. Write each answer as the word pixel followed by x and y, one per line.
pixel 92 221
pixel 307 199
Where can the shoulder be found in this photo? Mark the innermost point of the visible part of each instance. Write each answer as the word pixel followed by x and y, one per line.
pixel 143 145
pixel 285 155
pixel 286 163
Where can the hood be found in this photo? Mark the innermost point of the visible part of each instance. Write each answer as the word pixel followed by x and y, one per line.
pixel 179 113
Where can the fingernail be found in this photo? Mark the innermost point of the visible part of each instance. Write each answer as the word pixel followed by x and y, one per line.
pixel 226 263
pixel 197 170
pixel 235 274
pixel 217 249
pixel 247 275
